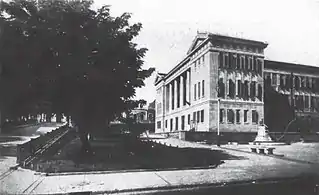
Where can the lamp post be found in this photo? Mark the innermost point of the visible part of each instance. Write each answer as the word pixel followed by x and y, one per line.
pixel 218 133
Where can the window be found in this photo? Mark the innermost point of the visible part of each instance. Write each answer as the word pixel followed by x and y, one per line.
pixel 306 101
pixel 194 117
pixel 260 92
pixel 221 115
pixel 189 119
pixel 220 60
pixel 165 123
pixel 254 116
pixel 176 123
pixel 238 88
pixel 238 62
pixel 158 124
pixel 245 116
pixel 183 122
pixel 203 88
pixel 198 116
pixel 171 125
pixel 230 116
pixel 221 88
pixel 194 91
pixel 231 92
pixel 274 79
pixel 203 57
pixel 202 116
pixel 198 90
pixel 237 116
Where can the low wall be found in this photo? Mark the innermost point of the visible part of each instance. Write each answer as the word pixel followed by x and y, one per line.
pixel 242 137
pixel 225 137
pixel 31 147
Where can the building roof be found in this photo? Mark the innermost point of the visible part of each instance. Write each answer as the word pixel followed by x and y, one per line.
pixel 293 67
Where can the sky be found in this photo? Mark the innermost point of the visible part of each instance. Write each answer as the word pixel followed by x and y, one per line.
pixel 290 27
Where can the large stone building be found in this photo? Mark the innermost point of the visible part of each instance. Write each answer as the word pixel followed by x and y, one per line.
pixel 215 67
pixel 231 70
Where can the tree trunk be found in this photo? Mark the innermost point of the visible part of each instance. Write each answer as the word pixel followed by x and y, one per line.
pixel 58 117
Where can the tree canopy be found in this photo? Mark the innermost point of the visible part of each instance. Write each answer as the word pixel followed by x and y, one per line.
pixel 84 62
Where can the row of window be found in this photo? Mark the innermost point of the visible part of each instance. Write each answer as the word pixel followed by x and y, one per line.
pixel 197 88
pixel 198 117
pixel 240 62
pixel 234 116
pixel 247 90
pixel 288 81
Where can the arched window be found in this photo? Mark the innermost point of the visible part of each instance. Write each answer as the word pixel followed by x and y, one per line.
pixel 231 93
pixel 221 88
pixel 230 116
pixel 254 116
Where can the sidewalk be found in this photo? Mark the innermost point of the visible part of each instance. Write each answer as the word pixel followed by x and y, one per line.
pixel 249 167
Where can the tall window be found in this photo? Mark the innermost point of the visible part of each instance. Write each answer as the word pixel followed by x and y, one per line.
pixel 203 88
pixel 183 122
pixel 202 116
pixel 221 115
pixel 274 79
pixel 198 116
pixel 254 116
pixel 165 123
pixel 237 116
pixel 189 119
pixel 231 85
pixel 198 90
pixel 245 116
pixel 194 117
pixel 171 125
pixel 158 124
pixel 221 88
pixel 220 59
pixel 230 116
pixel 238 88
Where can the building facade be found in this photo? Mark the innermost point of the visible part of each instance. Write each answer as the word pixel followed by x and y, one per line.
pixel 299 83
pixel 215 68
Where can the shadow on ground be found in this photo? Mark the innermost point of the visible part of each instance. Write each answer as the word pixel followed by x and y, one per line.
pixel 128 154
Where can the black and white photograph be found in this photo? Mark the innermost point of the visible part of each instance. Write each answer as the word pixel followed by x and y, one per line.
pixel 159 97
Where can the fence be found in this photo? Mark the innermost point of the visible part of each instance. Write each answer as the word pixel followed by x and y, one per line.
pixel 28 151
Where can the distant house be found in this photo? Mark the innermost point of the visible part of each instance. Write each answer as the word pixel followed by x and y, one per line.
pixel 144 115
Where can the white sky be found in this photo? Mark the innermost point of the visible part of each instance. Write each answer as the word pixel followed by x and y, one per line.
pixel 291 27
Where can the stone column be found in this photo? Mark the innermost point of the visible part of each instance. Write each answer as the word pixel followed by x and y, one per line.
pixel 175 94
pixel 181 91
pixel 187 87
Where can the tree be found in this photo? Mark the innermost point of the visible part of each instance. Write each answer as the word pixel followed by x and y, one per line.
pixel 84 62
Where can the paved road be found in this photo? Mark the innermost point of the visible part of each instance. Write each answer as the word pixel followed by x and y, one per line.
pixel 249 167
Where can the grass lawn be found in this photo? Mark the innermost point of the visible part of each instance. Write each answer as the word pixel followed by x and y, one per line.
pixel 126 154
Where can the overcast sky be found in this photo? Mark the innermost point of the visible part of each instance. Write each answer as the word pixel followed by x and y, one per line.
pixel 290 27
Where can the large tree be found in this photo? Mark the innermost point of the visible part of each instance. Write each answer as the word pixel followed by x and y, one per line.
pixel 84 62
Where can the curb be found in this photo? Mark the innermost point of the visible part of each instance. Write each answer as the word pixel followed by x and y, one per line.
pixel 125 171
pixel 198 187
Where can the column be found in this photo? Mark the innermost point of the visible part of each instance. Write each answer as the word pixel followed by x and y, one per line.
pixel 187 87
pixel 175 94
pixel 256 90
pixel 170 96
pixel 182 91
pixel 236 88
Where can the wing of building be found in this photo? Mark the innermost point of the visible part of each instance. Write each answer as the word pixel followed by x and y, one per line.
pixel 231 70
